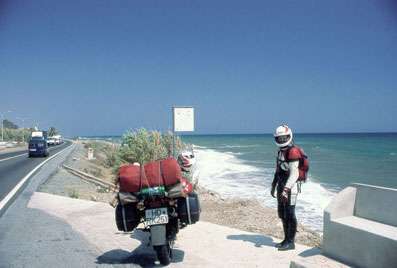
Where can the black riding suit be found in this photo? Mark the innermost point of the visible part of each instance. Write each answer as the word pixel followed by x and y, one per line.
pixel 286 211
pixel 286 176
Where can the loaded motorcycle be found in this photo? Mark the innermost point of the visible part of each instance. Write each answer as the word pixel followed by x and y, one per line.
pixel 163 209
pixel 162 216
pixel 161 220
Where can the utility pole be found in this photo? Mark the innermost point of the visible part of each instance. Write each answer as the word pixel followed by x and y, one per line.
pixel 2 124
pixel 23 127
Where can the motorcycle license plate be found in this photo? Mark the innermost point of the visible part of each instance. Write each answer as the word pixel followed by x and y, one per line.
pixel 156 216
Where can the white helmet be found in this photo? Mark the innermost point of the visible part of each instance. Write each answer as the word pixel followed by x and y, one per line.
pixel 283 136
pixel 186 160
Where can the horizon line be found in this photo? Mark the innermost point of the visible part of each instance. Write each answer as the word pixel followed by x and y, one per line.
pixel 222 134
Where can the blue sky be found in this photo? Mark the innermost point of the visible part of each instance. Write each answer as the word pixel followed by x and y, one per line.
pixel 102 67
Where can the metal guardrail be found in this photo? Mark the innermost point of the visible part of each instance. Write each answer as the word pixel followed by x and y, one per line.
pixel 89 177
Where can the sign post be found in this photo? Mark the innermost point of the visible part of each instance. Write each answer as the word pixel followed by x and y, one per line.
pixel 90 153
pixel 183 120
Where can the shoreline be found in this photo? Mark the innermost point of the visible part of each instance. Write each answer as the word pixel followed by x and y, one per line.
pixel 249 215
pixel 239 213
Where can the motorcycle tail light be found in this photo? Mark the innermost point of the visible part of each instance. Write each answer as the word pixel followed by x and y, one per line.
pixel 171 202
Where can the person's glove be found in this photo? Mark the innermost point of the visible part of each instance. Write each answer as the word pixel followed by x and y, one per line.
pixel 284 195
pixel 272 191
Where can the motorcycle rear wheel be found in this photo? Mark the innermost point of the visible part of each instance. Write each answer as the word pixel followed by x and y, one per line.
pixel 164 253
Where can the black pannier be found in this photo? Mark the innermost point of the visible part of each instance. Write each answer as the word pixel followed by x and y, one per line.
pixel 189 208
pixel 127 217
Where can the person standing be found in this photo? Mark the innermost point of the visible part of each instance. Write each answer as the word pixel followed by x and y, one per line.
pixel 285 181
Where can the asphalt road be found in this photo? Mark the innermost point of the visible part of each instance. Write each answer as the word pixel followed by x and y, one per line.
pixel 32 238
pixel 14 166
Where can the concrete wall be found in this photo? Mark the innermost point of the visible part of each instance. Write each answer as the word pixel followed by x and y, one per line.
pixel 360 226
pixel 376 204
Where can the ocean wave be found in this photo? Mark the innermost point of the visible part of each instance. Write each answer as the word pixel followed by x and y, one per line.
pixel 198 147
pixel 312 201
pixel 242 146
pixel 213 162
pixel 232 177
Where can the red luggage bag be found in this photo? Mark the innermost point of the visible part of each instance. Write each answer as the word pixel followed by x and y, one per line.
pixel 164 172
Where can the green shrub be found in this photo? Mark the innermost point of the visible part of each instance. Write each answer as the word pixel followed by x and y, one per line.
pixel 95 145
pixel 16 134
pixel 95 171
pixel 73 193
pixel 102 190
pixel 112 155
pixel 144 146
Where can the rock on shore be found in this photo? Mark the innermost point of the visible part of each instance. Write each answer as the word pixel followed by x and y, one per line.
pixel 249 215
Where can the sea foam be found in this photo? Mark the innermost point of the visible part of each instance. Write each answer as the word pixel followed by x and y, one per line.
pixel 231 176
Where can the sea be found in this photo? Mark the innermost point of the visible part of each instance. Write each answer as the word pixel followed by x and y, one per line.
pixel 243 166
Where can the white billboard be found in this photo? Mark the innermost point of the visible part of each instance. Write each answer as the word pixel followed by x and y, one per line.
pixel 183 118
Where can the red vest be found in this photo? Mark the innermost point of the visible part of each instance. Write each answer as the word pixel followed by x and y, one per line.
pixel 293 153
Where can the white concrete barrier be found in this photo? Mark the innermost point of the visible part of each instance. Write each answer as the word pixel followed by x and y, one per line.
pixel 360 226
pixel 3 144
pixel 10 145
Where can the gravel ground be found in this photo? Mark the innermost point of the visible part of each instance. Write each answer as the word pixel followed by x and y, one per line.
pixel 249 215
pixel 13 149
pixel 244 214
pixel 65 184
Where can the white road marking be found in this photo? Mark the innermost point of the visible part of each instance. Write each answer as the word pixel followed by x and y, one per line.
pixel 19 185
pixel 12 157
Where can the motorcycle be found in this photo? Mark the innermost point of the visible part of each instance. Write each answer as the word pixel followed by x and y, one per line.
pixel 160 214
pixel 163 216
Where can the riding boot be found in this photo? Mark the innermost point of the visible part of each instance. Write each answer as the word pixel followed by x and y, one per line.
pixel 285 229
pixel 290 243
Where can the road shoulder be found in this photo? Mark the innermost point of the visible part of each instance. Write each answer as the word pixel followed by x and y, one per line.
pixel 201 245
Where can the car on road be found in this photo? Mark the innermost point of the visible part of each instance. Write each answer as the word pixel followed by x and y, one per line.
pixel 58 139
pixel 51 141
pixel 38 147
